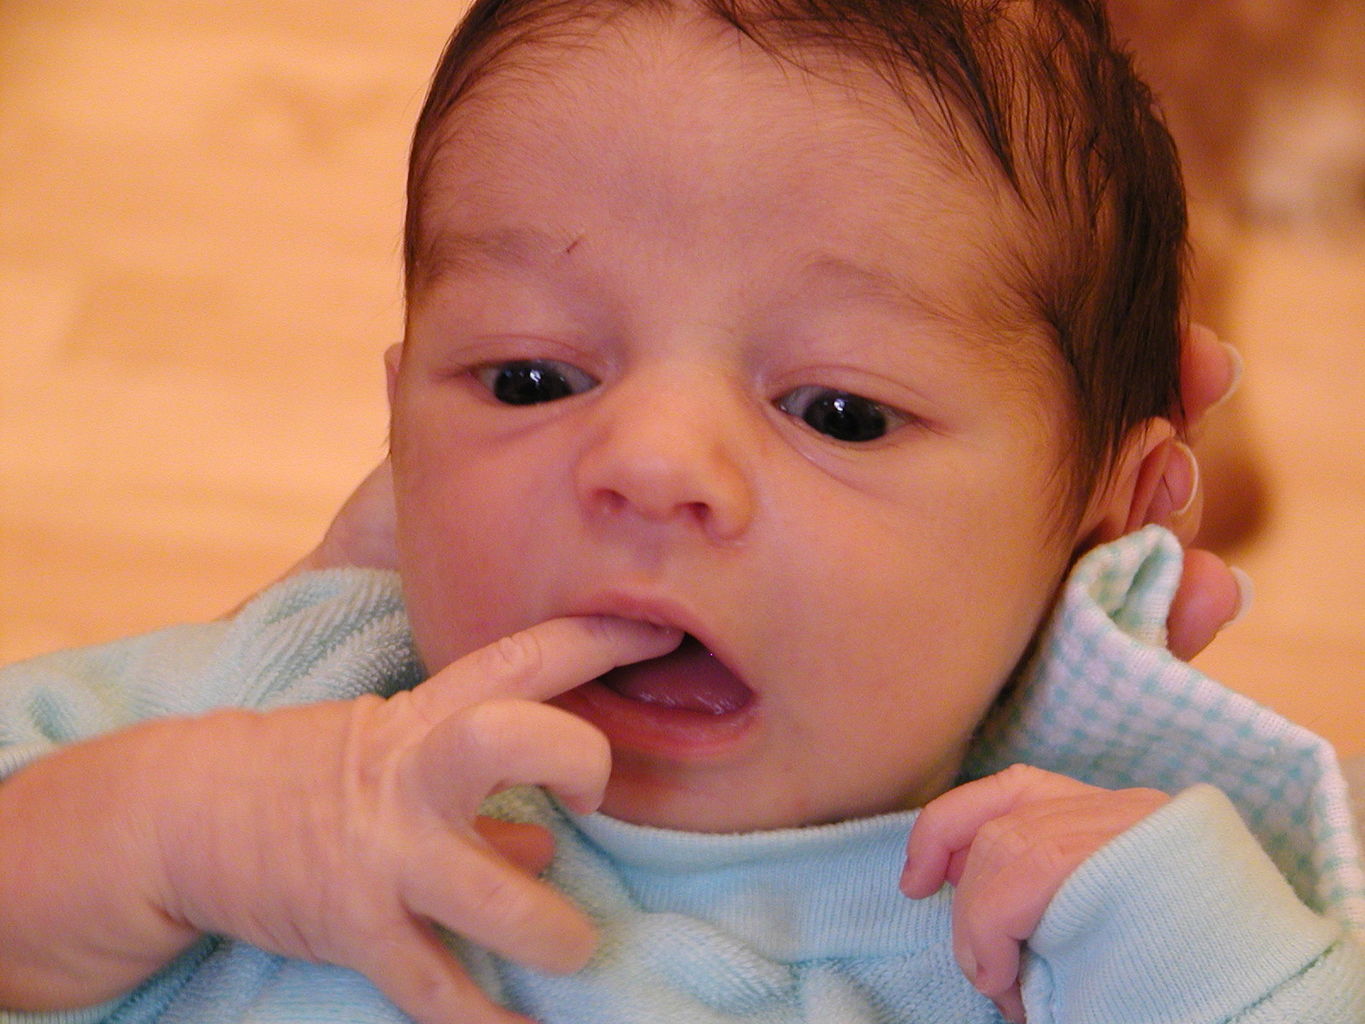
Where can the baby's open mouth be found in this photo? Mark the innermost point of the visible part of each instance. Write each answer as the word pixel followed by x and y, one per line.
pixel 689 678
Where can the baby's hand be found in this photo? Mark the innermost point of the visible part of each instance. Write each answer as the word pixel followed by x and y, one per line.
pixel 363 833
pixel 339 832
pixel 1007 843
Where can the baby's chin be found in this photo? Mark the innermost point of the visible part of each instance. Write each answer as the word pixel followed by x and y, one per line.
pixel 683 816
pixel 730 806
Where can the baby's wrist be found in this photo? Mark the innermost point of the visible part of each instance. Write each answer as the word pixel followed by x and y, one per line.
pixel 243 862
pixel 87 925
pixel 162 799
pixel 203 845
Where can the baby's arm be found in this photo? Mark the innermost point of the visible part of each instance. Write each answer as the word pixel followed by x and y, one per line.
pixel 332 832
pixel 1185 917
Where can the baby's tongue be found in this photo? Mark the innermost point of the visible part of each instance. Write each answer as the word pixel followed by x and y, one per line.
pixel 689 678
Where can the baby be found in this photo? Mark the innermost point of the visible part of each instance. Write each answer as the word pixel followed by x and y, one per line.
pixel 768 366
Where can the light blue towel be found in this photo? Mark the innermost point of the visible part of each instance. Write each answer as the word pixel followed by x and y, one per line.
pixel 806 925
pixel 1114 708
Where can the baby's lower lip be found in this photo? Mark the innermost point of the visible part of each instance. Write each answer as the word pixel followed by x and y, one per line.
pixel 684 706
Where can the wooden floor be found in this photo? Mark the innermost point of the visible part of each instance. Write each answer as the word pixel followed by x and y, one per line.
pixel 199 225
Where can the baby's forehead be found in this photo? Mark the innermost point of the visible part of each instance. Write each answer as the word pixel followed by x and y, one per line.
pixel 853 116
pixel 631 47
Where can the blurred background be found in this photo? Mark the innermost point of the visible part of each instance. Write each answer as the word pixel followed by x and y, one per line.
pixel 200 213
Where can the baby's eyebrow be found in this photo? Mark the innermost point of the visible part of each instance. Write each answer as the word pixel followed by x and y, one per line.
pixel 508 248
pixel 846 275
pixel 837 276
pixel 452 253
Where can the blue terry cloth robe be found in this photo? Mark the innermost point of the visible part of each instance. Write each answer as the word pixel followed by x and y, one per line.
pixel 1241 900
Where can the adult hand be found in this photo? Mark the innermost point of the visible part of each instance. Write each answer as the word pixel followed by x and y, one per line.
pixel 362 532
pixel 364 830
pixel 1210 595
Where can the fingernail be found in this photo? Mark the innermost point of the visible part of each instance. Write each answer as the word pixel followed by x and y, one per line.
pixel 1182 486
pixel 1246 594
pixel 1238 367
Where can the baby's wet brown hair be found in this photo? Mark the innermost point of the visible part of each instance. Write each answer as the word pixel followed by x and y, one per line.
pixel 1037 100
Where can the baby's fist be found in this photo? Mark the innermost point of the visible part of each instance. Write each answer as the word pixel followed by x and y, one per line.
pixel 1007 843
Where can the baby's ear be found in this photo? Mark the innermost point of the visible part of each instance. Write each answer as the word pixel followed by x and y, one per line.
pixel 1139 488
pixel 393 355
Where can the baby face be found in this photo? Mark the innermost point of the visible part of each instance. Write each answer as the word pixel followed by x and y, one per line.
pixel 700 339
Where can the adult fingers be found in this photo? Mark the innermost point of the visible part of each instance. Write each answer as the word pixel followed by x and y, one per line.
pixel 363 530
pixel 420 976
pixel 1209 373
pixel 489 747
pixel 1176 498
pixel 543 661
pixel 1210 597
pixel 475 893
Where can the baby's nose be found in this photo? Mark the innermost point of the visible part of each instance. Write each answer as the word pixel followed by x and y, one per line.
pixel 676 457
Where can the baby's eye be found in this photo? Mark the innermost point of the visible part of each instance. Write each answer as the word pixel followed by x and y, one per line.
pixel 841 415
pixel 532 381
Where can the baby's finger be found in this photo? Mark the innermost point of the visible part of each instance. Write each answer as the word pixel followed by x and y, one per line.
pixel 530 847
pixel 419 975
pixel 950 823
pixel 1015 867
pixel 1011 1005
pixel 543 661
pixel 498 744
pixel 1018 863
pixel 475 893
